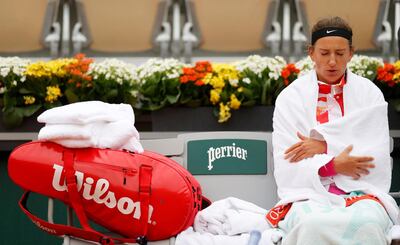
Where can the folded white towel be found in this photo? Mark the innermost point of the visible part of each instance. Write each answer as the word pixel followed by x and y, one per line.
pixel 270 236
pixel 91 124
pixel 87 131
pixel 133 144
pixel 87 112
pixel 231 216
pixel 114 135
pixel 189 237
pixel 395 232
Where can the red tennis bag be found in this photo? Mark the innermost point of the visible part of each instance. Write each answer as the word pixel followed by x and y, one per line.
pixel 139 196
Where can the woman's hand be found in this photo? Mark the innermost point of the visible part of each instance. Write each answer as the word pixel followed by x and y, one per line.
pixel 351 165
pixel 305 148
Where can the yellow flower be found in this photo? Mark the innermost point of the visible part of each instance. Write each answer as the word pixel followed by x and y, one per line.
pixel 28 100
pixel 224 113
pixel 234 103
pixel 227 72
pixel 397 65
pixel 207 78
pixel 49 69
pixel 215 96
pixel 53 92
pixel 217 82
pixel 240 89
pixel 222 73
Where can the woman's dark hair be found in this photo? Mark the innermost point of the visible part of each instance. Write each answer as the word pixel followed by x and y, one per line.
pixel 332 22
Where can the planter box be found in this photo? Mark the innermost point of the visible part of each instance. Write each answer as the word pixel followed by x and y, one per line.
pixel 394 118
pixel 257 118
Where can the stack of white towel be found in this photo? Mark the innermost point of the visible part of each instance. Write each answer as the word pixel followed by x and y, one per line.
pixel 230 221
pixel 91 124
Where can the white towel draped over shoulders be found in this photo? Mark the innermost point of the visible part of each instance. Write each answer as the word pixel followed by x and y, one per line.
pixel 364 125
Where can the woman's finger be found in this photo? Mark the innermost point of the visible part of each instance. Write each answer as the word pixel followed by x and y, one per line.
pixel 293 153
pixel 293 147
pixel 298 157
pixel 302 137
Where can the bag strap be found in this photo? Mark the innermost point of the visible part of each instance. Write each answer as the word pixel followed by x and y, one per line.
pixel 60 229
pixel 145 175
pixel 72 189
pixel 86 232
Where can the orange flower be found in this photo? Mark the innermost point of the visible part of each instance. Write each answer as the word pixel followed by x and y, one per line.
pixel 184 79
pixel 285 73
pixel 289 73
pixel 78 70
pixel 386 74
pixel 196 74
pixel 199 83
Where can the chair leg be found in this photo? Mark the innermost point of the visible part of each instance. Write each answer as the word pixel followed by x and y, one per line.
pixel 395 242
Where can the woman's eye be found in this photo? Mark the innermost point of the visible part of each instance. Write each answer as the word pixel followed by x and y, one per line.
pixel 324 53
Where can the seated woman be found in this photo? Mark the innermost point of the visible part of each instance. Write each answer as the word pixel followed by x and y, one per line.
pixel 331 150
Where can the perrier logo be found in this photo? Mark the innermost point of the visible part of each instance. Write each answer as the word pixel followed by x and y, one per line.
pixel 225 151
pixel 227 156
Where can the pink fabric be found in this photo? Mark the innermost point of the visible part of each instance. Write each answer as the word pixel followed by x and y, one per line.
pixel 326 105
pixel 327 170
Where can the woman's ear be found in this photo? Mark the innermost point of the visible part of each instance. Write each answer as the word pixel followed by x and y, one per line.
pixel 311 52
pixel 351 52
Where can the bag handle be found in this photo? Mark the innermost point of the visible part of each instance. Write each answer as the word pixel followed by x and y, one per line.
pixel 60 229
pixel 72 189
pixel 86 232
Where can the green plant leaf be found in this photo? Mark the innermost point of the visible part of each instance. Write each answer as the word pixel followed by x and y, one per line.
pixel 27 111
pixel 71 96
pixel 11 118
pixel 396 104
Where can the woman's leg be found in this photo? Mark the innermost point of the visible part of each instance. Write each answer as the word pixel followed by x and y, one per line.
pixel 364 222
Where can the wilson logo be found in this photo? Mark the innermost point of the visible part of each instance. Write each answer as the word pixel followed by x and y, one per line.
pixel 99 192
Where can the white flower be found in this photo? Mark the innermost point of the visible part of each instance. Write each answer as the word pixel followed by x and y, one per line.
pixel 258 65
pixel 365 66
pixel 169 68
pixel 234 82
pixel 246 80
pixel 13 65
pixel 304 65
pixel 114 70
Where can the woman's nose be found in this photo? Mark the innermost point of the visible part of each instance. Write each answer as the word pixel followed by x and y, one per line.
pixel 332 60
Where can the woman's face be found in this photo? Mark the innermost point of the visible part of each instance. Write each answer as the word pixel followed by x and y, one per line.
pixel 331 55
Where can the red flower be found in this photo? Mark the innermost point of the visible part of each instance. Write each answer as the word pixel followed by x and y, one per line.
pixel 184 79
pixel 199 83
pixel 289 73
pixel 285 73
pixel 79 69
pixel 386 73
pixel 196 74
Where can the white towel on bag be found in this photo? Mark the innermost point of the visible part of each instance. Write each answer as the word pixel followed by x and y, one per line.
pixel 91 124
pixel 87 112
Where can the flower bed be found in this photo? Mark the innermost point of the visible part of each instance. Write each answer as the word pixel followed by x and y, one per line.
pixel 27 87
